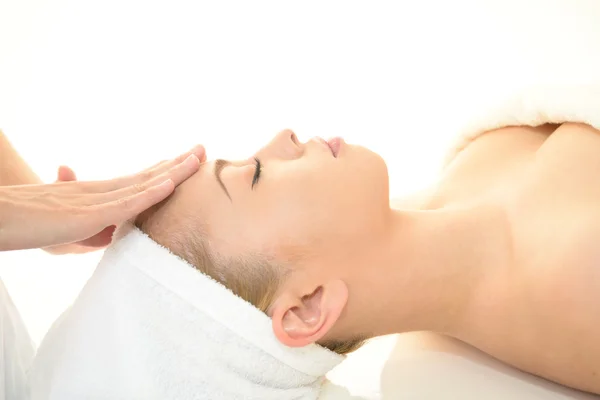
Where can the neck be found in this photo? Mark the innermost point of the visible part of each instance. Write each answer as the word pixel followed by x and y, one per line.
pixel 428 269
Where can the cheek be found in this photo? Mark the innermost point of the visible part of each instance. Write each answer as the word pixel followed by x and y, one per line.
pixel 284 217
pixel 316 207
pixel 304 220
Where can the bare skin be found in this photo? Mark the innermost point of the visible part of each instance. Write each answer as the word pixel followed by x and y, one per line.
pixel 76 217
pixel 501 253
pixel 540 311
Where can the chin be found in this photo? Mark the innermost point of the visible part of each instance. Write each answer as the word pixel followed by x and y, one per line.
pixel 369 173
pixel 372 163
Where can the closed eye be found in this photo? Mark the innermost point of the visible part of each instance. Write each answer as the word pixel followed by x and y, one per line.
pixel 256 172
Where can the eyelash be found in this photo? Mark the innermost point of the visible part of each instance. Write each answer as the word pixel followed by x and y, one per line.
pixel 257 172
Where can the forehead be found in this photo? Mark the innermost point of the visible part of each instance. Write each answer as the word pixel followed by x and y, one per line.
pixel 201 196
pixel 233 225
pixel 202 199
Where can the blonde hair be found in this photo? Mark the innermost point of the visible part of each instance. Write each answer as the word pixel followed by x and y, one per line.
pixel 253 278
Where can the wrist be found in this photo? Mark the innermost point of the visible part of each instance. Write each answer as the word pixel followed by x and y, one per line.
pixel 70 248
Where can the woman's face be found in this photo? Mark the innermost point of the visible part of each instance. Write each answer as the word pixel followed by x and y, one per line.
pixel 304 200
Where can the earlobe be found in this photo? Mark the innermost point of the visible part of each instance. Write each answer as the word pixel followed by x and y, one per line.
pixel 298 322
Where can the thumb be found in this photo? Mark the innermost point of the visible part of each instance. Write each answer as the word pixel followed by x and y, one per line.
pixel 65 174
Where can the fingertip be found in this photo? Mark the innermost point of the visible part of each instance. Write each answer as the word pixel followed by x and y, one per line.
pixel 193 160
pixel 66 174
pixel 162 190
pixel 167 184
pixel 200 152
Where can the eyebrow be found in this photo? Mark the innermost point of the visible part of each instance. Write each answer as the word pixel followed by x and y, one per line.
pixel 219 165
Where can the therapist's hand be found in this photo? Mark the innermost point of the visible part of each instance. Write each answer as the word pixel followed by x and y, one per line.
pixel 74 217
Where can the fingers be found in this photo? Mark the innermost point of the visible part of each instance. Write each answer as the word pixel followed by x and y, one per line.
pixel 101 239
pixel 67 186
pixel 178 171
pixel 165 166
pixel 145 176
pixel 126 203
pixel 200 152
pixel 66 174
pixel 177 174
pixel 124 208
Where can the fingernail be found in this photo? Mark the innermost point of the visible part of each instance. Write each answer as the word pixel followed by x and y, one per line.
pixel 166 184
pixel 192 159
pixel 198 149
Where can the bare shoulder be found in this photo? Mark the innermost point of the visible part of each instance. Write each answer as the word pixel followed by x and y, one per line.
pixel 548 298
pixel 572 137
pixel 503 144
pixel 492 161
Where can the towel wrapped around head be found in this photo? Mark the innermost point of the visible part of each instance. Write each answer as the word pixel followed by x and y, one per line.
pixel 148 325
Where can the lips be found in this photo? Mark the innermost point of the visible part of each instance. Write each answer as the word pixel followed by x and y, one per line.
pixel 335 145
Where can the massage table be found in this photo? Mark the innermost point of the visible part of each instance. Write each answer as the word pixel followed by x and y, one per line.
pixel 424 365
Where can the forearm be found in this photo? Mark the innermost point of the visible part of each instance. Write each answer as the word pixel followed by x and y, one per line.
pixel 13 169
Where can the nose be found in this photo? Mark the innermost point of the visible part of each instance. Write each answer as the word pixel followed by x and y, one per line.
pixel 284 145
pixel 287 135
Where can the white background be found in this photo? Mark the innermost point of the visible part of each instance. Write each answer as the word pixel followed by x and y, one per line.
pixel 111 87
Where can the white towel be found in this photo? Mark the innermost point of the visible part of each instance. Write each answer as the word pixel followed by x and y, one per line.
pixel 150 326
pixel 533 106
pixel 16 350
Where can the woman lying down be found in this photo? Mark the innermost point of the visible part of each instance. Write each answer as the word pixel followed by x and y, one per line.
pixel 502 253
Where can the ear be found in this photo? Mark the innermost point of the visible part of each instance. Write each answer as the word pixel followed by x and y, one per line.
pixel 298 322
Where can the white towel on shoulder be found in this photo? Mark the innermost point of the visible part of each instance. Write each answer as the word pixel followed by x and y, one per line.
pixel 149 326
pixel 533 106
